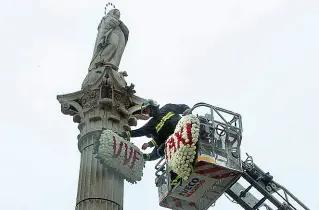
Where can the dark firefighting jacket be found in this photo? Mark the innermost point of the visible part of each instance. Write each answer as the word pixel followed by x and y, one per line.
pixel 162 125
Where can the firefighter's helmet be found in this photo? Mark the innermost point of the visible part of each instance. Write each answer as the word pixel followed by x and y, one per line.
pixel 154 106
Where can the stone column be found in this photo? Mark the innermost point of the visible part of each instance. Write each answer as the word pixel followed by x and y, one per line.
pixel 105 102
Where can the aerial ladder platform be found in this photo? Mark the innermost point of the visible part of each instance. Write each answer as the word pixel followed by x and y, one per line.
pixel 217 170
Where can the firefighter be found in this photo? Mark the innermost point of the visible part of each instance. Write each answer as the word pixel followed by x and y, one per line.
pixel 161 125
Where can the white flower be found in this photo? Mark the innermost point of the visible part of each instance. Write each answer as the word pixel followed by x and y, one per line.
pixel 123 150
pixel 181 160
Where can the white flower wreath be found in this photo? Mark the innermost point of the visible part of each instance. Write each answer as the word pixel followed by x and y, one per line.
pixel 180 147
pixel 123 156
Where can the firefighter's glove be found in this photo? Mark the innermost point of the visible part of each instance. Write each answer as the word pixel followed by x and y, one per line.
pixel 126 135
pixel 145 146
pixel 186 112
pixel 146 157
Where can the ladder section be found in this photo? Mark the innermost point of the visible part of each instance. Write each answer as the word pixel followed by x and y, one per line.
pixel 271 191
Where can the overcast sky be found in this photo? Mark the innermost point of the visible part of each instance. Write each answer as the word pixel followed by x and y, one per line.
pixel 258 58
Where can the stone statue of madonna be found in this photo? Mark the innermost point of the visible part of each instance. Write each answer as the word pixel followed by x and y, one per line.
pixel 110 41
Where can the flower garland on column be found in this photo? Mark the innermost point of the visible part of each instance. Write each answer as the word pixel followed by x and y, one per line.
pixel 180 148
pixel 123 156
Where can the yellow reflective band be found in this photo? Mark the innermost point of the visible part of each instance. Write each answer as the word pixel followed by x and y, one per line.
pixel 176 179
pixel 163 120
pixel 154 143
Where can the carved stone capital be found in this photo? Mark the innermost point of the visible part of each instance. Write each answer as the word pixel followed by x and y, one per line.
pixel 70 104
pixel 103 89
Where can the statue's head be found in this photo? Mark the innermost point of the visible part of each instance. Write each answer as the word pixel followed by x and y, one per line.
pixel 114 13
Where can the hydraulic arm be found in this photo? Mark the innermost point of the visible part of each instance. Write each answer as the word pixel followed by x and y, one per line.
pixel 263 182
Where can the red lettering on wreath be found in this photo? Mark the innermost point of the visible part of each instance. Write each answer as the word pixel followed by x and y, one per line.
pixel 116 154
pixel 133 155
pixel 126 158
pixel 189 133
pixel 170 143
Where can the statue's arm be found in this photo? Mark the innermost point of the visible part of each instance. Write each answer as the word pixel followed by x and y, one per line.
pixel 125 30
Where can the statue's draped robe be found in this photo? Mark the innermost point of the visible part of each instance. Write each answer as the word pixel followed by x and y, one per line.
pixel 110 42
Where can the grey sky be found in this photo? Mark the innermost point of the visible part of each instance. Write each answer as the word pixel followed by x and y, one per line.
pixel 258 58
